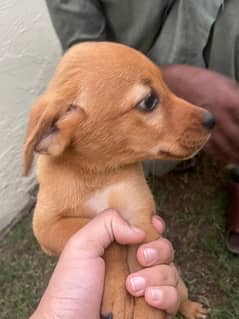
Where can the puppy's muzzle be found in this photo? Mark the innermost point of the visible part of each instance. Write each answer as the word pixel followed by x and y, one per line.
pixel 191 141
pixel 208 120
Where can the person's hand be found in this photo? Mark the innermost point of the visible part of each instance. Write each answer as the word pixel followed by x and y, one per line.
pixel 219 95
pixel 224 144
pixel 76 286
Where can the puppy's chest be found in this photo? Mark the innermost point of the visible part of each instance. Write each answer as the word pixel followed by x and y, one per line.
pixel 120 196
pixel 103 199
pixel 99 200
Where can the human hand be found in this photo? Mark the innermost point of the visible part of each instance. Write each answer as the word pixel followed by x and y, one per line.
pixel 224 144
pixel 76 286
pixel 219 95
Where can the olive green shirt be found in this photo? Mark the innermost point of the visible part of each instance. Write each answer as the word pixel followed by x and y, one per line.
pixel 203 33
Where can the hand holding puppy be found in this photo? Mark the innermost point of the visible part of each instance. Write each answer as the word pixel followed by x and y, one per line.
pixel 217 94
pixel 76 286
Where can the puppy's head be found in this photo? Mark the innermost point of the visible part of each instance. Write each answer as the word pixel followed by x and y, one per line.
pixel 108 106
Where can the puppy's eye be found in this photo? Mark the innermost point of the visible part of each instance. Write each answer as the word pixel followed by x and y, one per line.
pixel 149 103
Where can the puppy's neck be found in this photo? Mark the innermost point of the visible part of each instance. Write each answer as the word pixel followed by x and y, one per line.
pixel 91 175
pixel 91 167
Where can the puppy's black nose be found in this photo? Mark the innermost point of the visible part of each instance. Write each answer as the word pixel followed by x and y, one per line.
pixel 208 121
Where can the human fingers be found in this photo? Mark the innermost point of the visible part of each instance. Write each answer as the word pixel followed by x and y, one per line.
pixel 155 253
pixel 105 228
pixel 165 298
pixel 156 276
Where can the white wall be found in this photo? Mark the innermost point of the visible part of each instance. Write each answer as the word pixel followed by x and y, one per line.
pixel 29 52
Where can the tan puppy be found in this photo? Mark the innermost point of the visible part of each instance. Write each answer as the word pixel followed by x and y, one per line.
pixel 106 110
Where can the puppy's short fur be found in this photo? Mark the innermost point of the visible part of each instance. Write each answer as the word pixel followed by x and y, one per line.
pixel 106 110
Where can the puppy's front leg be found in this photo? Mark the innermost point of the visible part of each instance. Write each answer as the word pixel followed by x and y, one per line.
pixel 116 300
pixel 53 234
pixel 141 309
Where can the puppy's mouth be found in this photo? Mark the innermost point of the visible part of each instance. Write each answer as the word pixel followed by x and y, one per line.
pixel 184 155
pixel 200 147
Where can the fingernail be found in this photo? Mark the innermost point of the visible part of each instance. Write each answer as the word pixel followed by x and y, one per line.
pixel 138 283
pixel 150 255
pixel 156 294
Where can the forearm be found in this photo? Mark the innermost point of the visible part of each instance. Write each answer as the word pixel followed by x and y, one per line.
pixel 77 21
pixel 197 85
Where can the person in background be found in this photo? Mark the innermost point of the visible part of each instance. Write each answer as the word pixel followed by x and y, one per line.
pixel 196 45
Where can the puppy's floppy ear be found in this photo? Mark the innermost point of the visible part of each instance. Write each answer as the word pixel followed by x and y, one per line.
pixel 50 128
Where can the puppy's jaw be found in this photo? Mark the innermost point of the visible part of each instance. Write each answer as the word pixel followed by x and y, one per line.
pixel 200 148
pixel 176 151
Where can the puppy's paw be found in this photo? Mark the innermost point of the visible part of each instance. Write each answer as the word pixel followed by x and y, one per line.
pixel 109 316
pixel 120 307
pixel 193 310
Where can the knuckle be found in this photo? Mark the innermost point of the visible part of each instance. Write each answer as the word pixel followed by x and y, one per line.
pixel 169 248
pixel 170 275
pixel 173 295
pixel 161 221
pixel 111 212
pixel 168 243
pixel 174 302
pixel 174 274
pixel 167 275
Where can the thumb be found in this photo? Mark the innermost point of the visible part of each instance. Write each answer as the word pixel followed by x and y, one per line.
pixel 105 228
